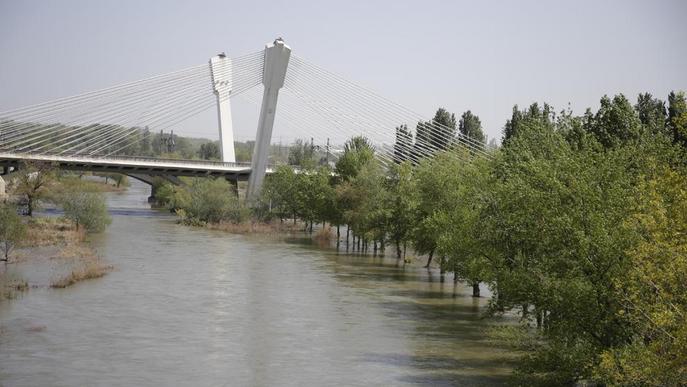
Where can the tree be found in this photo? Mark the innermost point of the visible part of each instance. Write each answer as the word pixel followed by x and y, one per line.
pixel 653 292
pixel 358 152
pixel 652 113
pixel 120 179
pixel 302 154
pixel 677 117
pixel 471 127
pixel 314 194
pixel 12 229
pixel 457 215
pixel 404 144
pixel 279 193
pixel 616 122
pixel 402 204
pixel 87 209
pixel 435 135
pixel 534 115
pixel 550 227
pixel 366 203
pixel 32 182
pixel 208 200
pixel 210 151
pixel 146 148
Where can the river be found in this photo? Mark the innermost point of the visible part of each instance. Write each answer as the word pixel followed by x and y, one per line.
pixel 190 306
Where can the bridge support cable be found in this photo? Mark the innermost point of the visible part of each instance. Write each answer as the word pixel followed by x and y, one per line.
pixel 381 102
pixel 378 128
pixel 118 117
pixel 345 99
pixel 374 121
pixel 103 120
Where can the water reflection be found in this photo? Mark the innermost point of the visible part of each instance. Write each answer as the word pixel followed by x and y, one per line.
pixel 188 306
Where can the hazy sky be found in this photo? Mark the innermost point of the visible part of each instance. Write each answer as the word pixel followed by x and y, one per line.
pixel 484 56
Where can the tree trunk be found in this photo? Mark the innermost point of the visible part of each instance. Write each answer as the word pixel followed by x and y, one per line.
pixel 398 249
pixel 429 260
pixel 338 232
pixel 475 289
pixel 29 206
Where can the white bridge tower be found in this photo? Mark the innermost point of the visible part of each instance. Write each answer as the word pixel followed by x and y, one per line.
pixel 220 70
pixel 277 57
pixel 276 61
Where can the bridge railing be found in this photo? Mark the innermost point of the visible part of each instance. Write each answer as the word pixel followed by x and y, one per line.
pixel 152 160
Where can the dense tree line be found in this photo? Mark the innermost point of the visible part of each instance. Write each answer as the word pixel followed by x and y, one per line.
pixel 578 224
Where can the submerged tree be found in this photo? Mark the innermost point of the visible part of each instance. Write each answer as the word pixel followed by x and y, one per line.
pixel 32 182
pixel 87 210
pixel 12 229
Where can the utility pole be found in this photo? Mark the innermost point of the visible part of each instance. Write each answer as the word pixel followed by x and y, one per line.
pixel 327 151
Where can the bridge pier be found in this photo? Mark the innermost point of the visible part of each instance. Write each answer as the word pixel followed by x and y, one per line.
pixel 220 70
pixel 277 57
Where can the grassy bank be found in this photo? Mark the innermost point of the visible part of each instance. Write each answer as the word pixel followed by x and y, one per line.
pixel 53 253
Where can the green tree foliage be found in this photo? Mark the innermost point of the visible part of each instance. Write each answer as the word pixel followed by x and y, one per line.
pixel 470 126
pixel 435 135
pixel 550 229
pixel 652 113
pixel 403 146
pixel 653 292
pixel 279 194
pixel 302 154
pixel 86 209
pixel 366 203
pixel 207 200
pixel 616 123
pixel 677 117
pixel 457 215
pixel 402 203
pixel 33 182
pixel 210 151
pixel 120 179
pixel 358 152
pixel 12 229
pixel 534 115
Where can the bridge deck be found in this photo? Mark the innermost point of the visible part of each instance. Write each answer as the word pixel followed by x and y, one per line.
pixel 131 164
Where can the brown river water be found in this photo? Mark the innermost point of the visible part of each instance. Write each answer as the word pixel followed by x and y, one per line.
pixel 193 307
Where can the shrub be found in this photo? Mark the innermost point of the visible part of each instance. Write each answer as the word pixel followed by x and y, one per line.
pixel 11 229
pixel 87 209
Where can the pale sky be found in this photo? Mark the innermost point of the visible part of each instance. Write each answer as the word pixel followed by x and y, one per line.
pixel 484 56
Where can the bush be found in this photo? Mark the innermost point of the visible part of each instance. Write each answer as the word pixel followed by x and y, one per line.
pixel 209 201
pixel 87 209
pixel 11 229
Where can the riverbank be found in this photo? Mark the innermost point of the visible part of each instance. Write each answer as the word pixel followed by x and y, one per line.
pixel 53 254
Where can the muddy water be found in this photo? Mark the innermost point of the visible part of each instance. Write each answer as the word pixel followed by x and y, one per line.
pixel 188 306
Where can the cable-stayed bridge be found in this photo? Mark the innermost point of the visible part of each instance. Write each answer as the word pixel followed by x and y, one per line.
pixel 110 129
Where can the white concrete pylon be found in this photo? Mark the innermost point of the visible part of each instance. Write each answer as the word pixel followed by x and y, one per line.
pixel 277 57
pixel 220 70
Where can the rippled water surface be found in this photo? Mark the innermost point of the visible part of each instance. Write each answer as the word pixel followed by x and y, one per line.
pixel 188 306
